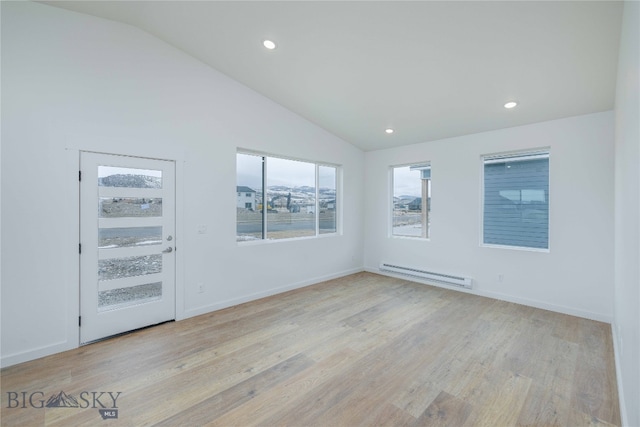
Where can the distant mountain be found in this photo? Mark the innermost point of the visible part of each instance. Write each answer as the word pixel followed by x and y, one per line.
pixel 62 400
pixel 306 189
pixel 323 190
pixel 130 181
pixel 277 195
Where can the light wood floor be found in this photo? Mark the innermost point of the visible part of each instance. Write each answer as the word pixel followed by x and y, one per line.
pixel 360 350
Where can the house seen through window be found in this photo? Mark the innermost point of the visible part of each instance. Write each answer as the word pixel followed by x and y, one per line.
pixel 411 200
pixel 516 200
pixel 282 198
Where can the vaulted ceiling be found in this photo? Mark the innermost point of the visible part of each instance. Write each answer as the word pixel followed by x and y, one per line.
pixel 429 70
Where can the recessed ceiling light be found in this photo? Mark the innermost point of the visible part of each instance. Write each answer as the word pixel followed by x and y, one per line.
pixel 389 130
pixel 269 44
pixel 510 104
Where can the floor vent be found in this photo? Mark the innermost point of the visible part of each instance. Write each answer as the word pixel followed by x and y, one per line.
pixel 464 282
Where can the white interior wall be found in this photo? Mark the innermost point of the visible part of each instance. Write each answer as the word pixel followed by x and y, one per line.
pixel 73 82
pixel 575 276
pixel 627 215
pixel 0 193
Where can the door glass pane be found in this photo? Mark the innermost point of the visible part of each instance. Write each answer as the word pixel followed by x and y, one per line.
pixel 109 176
pixel 126 237
pixel 118 268
pixel 119 207
pixel 327 199
pixel 116 298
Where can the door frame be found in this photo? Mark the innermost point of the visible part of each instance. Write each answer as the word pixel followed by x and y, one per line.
pixel 98 324
pixel 119 147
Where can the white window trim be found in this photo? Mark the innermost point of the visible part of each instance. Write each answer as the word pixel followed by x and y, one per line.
pixel 536 153
pixel 390 181
pixel 339 198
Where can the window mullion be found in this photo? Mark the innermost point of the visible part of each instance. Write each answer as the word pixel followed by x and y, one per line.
pixel 264 197
pixel 317 207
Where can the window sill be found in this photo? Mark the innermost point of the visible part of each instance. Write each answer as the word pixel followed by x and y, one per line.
pixel 290 239
pixel 423 239
pixel 515 248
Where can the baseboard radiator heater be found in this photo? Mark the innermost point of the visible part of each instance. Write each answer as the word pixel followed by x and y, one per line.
pixel 464 282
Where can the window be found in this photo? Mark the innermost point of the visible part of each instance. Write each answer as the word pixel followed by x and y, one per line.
pixel 300 198
pixel 516 200
pixel 327 182
pixel 411 200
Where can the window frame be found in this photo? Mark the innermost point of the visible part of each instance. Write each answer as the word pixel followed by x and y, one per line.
pixel 338 199
pixel 544 151
pixel 423 164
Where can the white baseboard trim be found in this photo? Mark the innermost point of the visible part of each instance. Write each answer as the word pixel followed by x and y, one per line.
pixel 616 355
pixel 26 356
pixel 59 347
pixel 503 297
pixel 263 294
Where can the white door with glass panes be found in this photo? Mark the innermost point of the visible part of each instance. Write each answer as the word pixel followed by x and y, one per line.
pixel 127 244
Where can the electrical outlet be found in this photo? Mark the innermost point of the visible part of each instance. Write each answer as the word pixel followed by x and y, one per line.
pixel 500 278
pixel 200 288
pixel 202 229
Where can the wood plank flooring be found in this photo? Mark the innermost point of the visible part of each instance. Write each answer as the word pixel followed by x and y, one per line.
pixel 361 350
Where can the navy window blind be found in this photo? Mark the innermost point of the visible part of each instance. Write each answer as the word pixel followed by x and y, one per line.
pixel 516 200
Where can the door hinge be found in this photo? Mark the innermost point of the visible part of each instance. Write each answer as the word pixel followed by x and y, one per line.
pixel 79 175
pixel 79 248
pixel 79 320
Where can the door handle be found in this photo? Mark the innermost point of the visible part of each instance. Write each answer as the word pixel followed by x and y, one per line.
pixel 168 250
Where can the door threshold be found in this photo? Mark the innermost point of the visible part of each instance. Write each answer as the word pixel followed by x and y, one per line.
pixel 126 332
